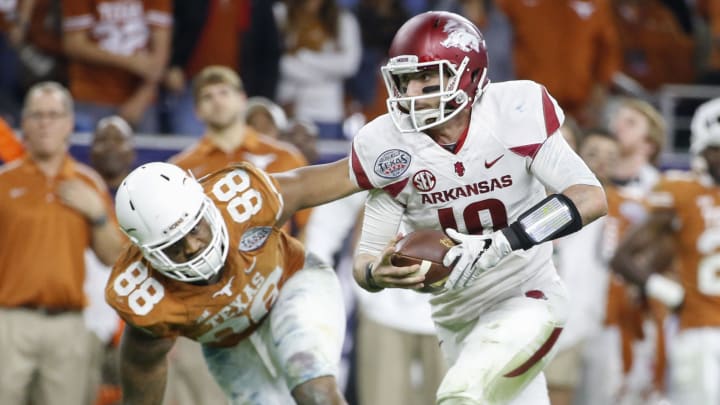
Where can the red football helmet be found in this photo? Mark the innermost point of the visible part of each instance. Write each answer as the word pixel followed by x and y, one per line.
pixel 435 40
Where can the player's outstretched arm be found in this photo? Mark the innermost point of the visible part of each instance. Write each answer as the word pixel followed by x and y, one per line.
pixel 143 366
pixel 313 185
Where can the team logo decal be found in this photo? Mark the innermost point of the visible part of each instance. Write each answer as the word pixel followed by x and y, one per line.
pixel 392 163
pixel 459 36
pixel 459 168
pixel 424 180
pixel 254 238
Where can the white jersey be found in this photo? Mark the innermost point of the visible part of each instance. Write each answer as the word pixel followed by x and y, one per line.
pixel 501 167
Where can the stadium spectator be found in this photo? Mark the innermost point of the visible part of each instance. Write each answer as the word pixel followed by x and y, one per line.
pixel 221 102
pixel 322 48
pixel 303 134
pixel 265 116
pixel 118 52
pixel 569 46
pixel 655 48
pixel 53 209
pixel 112 155
pixel 378 21
pixel 240 35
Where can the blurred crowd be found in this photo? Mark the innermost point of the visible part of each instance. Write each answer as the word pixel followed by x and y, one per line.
pixel 309 71
pixel 318 60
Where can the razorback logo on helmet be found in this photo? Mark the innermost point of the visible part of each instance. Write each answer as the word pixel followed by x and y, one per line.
pixel 254 238
pixel 424 180
pixel 392 163
pixel 459 36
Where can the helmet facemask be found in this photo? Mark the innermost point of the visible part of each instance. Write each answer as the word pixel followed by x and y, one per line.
pixel 206 263
pixel 402 108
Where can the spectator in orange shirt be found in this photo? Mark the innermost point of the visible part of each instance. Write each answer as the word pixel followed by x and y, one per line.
pixel 571 47
pixel 239 34
pixel 118 51
pixel 655 48
pixel 53 209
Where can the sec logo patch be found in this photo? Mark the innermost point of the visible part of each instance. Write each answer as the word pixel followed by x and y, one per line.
pixel 392 163
pixel 424 180
pixel 254 238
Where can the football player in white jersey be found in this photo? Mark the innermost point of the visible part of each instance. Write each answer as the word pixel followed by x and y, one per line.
pixel 486 163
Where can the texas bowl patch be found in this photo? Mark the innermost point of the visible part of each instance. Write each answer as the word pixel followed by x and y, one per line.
pixel 392 163
pixel 254 238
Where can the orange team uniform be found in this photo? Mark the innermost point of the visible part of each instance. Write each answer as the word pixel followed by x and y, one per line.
pixel 260 260
pixel 655 48
pixel 120 27
pixel 568 46
pixel 30 211
pixel 262 151
pixel 696 203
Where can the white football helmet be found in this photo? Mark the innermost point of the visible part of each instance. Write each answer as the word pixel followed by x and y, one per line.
pixel 705 126
pixel 159 203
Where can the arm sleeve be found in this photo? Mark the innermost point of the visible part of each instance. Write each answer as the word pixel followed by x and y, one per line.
pixel 381 222
pixel 558 167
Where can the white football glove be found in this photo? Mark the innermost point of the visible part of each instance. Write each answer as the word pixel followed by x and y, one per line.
pixel 474 255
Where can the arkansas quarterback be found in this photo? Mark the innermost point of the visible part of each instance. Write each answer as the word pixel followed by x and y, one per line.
pixel 485 162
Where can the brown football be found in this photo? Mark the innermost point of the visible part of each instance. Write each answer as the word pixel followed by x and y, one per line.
pixel 425 247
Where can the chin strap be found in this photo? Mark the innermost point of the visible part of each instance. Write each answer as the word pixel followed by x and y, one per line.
pixel 551 218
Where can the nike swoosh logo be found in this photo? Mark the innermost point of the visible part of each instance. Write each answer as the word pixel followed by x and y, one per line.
pixel 490 164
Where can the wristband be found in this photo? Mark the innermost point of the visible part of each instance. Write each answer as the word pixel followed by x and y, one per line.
pixel 369 280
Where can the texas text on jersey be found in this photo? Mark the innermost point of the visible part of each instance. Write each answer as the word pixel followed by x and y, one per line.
pixel 259 262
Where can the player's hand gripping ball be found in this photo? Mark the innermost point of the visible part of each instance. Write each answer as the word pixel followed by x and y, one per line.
pixel 425 247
